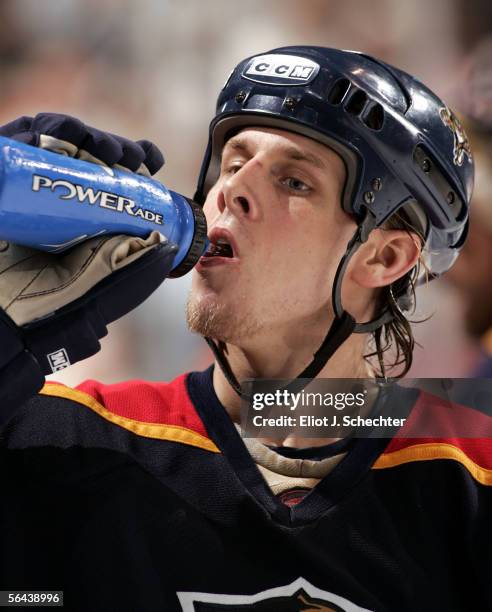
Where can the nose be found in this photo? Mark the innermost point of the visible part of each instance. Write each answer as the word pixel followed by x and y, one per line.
pixel 239 193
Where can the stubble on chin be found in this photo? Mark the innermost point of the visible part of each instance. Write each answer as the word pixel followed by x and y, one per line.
pixel 219 321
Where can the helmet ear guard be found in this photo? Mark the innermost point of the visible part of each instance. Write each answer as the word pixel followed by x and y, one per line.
pixel 402 147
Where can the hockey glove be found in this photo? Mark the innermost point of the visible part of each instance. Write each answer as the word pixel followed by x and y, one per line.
pixel 55 308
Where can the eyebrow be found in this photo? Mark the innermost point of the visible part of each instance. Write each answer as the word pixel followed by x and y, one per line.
pixel 239 144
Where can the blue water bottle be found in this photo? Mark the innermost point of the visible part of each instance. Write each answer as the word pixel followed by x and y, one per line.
pixel 52 202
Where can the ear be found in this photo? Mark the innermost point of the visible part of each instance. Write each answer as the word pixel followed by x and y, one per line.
pixel 386 256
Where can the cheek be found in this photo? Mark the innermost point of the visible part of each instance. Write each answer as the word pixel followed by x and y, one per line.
pixel 301 258
pixel 311 241
pixel 210 208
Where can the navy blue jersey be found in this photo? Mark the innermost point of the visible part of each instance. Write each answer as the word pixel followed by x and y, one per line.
pixel 142 497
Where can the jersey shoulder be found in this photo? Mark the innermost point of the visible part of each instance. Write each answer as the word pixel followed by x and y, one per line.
pixel 439 429
pixel 159 410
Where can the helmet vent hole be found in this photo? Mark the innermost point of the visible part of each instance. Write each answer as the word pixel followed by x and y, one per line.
pixel 339 91
pixel 357 101
pixel 374 118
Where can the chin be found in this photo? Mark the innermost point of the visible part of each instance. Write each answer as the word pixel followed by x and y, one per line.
pixel 220 319
pixel 205 314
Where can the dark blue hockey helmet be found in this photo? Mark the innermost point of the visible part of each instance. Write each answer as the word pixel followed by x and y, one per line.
pixel 401 144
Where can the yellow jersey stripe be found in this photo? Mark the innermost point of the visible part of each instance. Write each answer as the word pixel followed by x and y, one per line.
pixel 434 450
pixel 158 431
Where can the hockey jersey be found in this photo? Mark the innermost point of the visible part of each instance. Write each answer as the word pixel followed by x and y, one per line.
pixel 143 497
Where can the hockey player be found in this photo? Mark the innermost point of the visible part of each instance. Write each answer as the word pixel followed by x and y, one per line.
pixel 143 496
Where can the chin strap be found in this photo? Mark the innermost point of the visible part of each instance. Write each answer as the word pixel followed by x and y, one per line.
pixel 343 326
pixel 224 365
pixel 339 331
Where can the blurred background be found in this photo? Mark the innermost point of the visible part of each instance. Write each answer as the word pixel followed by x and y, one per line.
pixel 153 68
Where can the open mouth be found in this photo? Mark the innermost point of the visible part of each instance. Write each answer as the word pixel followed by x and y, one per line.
pixel 222 245
pixel 221 248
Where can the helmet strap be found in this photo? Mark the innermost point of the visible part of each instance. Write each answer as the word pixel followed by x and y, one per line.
pixel 340 329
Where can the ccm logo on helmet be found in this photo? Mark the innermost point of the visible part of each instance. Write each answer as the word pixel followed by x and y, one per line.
pixel 281 70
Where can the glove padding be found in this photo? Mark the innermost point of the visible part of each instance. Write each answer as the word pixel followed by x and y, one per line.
pixel 55 308
pixel 34 284
pixel 54 302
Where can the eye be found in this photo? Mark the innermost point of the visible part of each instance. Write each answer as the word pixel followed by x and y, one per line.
pixel 231 168
pixel 295 184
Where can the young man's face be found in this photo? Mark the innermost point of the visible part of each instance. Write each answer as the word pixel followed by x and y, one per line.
pixel 277 200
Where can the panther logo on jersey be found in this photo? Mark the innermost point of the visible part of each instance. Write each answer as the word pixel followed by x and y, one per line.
pixel 461 144
pixel 299 596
